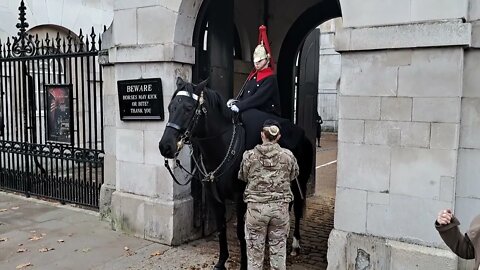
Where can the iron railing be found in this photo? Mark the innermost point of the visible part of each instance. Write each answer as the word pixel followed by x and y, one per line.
pixel 51 101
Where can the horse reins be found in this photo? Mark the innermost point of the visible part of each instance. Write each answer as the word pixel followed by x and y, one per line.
pixel 185 137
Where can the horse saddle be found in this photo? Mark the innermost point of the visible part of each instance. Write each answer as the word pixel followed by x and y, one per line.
pixel 253 120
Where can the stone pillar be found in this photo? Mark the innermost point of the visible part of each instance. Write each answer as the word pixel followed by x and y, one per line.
pixel 407 129
pixel 146 43
pixel 467 197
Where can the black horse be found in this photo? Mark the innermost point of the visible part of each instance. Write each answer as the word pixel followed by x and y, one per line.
pixel 199 116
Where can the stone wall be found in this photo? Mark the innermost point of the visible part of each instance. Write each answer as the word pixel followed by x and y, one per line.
pixel 408 123
pixel 139 195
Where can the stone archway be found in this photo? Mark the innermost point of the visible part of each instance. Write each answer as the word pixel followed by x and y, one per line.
pixel 295 36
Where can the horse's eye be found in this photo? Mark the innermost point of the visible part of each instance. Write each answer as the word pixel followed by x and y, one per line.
pixel 188 108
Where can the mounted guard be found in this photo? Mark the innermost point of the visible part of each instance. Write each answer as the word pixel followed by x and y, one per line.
pixel 259 98
pixel 260 90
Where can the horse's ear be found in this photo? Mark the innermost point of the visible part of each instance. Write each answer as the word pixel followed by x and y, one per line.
pixel 180 82
pixel 202 85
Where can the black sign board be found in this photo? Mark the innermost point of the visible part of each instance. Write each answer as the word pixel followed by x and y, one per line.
pixel 140 99
pixel 59 113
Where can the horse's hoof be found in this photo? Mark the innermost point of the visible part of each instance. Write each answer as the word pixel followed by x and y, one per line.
pixel 219 268
pixel 295 252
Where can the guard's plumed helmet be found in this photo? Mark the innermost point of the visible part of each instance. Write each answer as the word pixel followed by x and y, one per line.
pixel 260 53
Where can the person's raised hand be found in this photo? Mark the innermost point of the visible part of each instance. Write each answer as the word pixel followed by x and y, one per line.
pixel 444 217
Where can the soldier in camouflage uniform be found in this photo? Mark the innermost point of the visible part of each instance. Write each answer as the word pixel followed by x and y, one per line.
pixel 268 170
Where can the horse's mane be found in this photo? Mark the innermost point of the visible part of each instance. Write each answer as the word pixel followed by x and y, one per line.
pixel 212 98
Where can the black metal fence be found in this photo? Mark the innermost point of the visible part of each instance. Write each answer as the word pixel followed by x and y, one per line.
pixel 51 135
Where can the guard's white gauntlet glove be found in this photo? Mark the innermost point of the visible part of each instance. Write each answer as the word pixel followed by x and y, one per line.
pixel 230 102
pixel 234 108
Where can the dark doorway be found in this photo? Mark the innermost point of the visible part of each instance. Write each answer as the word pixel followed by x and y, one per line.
pixel 216 43
pixel 307 90
pixel 291 46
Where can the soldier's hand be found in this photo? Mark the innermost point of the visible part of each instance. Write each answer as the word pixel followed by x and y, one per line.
pixel 444 217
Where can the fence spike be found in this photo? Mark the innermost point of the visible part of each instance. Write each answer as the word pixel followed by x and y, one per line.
pixel 93 36
pixel 9 48
pixel 80 37
pixel 87 43
pixel 69 41
pixel 58 41
pixel 37 43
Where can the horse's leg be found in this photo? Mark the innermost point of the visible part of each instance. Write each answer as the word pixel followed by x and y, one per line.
pixel 222 236
pixel 298 207
pixel 305 163
pixel 241 209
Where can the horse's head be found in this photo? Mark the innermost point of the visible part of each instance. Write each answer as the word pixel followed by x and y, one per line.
pixel 184 112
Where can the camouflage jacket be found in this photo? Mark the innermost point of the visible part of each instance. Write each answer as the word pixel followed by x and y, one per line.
pixel 268 170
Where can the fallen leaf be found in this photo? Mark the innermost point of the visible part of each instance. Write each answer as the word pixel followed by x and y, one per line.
pixel 3 210
pixel 86 250
pixel 157 253
pixel 33 231
pixel 70 234
pixel 15 208
pixel 60 241
pixel 3 239
pixel 45 249
pixel 20 266
pixel 35 238
pixel 126 248
pixel 43 234
pixel 130 253
pixel 20 245
pixel 21 250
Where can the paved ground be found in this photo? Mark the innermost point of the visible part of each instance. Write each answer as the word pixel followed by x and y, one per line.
pixel 42 235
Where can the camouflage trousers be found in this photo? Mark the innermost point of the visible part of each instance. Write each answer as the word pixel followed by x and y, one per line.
pixel 262 220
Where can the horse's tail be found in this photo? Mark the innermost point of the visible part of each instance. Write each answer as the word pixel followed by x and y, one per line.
pixel 304 154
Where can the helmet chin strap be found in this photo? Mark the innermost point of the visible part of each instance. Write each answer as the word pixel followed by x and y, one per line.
pixel 265 65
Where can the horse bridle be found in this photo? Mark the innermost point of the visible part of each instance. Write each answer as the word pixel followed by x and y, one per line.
pixel 185 139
